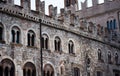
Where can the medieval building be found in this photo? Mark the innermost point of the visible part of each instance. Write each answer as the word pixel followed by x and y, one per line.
pixel 75 42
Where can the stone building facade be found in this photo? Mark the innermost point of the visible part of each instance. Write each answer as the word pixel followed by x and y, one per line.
pixel 75 42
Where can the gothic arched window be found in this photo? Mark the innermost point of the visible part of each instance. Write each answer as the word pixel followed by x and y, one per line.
pixel 48 70
pixel 76 71
pixel 15 34
pixel 7 68
pixel 29 69
pixel 71 47
pixel 57 43
pixel 31 38
pixel 45 40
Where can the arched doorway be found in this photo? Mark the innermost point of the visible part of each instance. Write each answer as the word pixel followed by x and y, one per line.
pixel 29 69
pixel 7 68
pixel 48 70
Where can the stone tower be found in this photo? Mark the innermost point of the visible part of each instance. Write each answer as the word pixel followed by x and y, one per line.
pixel 71 5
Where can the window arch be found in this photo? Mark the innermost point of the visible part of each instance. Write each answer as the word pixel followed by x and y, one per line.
pixel 109 57
pixel 7 68
pixel 15 34
pixel 48 70
pixel 71 47
pixel 76 71
pixel 116 58
pixel 1 32
pixel 31 38
pixel 45 40
pixel 57 43
pixel 29 69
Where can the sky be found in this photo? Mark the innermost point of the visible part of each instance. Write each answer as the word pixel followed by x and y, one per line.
pixel 58 3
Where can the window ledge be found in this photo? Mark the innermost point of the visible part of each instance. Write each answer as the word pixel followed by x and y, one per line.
pixel 72 54
pixel 16 44
pixel 46 50
pixel 60 52
pixel 34 47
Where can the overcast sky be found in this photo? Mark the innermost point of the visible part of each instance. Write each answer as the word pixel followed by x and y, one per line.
pixel 58 3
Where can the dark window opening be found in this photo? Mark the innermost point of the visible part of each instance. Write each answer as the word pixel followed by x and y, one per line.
pixel 6 71
pixel 42 42
pixel 55 45
pixel 58 45
pixel 28 39
pixel 48 74
pixel 99 55
pixel 18 37
pixel 46 43
pixel 24 72
pixel 33 73
pixel 13 36
pixel 33 38
pixel 28 72
pixel 69 48
pixel 116 58
pixel 109 58
pixel 12 71
pixel 1 33
pixel 114 24
pixel 1 71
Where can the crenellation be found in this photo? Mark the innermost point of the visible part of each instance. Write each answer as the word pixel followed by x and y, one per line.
pixel 74 43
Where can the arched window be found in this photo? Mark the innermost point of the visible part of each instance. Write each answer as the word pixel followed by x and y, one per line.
pixel 109 57
pixel 48 70
pixel 1 32
pixel 71 47
pixel 15 34
pixel 29 69
pixel 31 38
pixel 76 71
pixel 45 40
pixel 57 43
pixel 116 58
pixel 99 54
pixel 7 68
